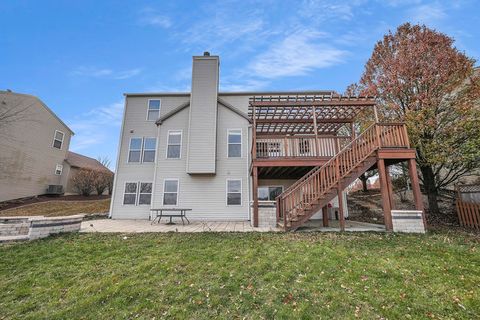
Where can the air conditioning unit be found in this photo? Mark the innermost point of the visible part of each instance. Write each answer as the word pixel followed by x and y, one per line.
pixel 55 189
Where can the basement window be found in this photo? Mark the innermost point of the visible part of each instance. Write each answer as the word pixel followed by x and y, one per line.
pixel 145 193
pixel 130 194
pixel 170 192
pixel 269 193
pixel 234 192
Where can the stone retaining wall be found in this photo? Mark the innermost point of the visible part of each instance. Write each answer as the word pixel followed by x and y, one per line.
pixel 38 226
pixel 410 221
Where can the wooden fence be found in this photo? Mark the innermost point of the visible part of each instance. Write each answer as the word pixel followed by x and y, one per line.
pixel 468 205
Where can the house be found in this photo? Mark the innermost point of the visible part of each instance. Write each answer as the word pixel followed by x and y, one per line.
pixel 33 146
pixel 273 158
pixel 75 162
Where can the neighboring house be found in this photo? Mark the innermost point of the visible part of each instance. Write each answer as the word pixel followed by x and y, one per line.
pixel 33 146
pixel 74 162
pixel 194 150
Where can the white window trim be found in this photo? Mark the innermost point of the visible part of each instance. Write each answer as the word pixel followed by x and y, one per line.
pixel 136 194
pixel 59 167
pixel 181 142
pixel 148 109
pixel 241 193
pixel 178 191
pixel 130 149
pixel 139 193
pixel 270 186
pixel 54 138
pixel 241 143
pixel 143 149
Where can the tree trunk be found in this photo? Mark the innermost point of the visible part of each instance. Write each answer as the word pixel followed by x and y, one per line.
pixel 430 188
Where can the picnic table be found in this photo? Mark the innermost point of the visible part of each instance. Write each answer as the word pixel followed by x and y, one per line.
pixel 169 212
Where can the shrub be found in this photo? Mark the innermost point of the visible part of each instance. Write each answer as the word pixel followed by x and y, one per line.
pixel 84 181
pixel 104 180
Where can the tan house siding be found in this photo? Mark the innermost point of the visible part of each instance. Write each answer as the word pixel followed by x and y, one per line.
pixel 27 156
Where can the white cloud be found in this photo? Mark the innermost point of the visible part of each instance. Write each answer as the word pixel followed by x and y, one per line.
pixel 428 14
pixel 97 126
pixel 152 17
pixel 297 54
pixel 94 72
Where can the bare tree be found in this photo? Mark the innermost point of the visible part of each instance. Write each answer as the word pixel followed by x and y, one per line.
pixel 105 161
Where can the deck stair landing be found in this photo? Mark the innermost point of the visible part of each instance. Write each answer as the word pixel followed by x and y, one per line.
pixel 297 204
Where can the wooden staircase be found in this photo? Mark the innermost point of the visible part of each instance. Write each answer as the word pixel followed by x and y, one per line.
pixel 317 188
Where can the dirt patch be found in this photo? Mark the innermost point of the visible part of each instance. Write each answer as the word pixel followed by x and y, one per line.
pixel 31 200
pixel 60 208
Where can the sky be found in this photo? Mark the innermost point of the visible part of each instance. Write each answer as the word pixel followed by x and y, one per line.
pixel 79 57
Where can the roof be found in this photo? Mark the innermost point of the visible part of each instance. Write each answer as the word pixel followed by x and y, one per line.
pixel 240 93
pixel 301 113
pixel 187 104
pixel 80 161
pixel 41 103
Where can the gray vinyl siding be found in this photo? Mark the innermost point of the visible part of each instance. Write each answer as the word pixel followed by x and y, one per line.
pixel 205 194
pixel 135 124
pixel 27 157
pixel 203 116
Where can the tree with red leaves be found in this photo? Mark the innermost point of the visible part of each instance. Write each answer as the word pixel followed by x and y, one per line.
pixel 419 77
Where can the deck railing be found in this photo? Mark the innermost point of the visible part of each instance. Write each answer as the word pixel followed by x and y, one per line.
pixel 321 180
pixel 299 146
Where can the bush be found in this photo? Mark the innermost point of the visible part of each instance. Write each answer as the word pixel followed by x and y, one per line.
pixel 104 180
pixel 84 181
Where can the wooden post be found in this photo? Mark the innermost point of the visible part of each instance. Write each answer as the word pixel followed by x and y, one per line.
pixel 254 135
pixel 325 216
pixel 255 196
pixel 387 211
pixel 314 114
pixel 417 194
pixel 340 208
pixel 390 188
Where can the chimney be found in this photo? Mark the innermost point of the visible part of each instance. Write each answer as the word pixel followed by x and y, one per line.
pixel 202 132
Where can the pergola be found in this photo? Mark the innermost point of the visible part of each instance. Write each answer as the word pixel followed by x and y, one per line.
pixel 305 114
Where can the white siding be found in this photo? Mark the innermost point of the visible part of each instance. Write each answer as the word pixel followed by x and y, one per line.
pixel 136 125
pixel 203 116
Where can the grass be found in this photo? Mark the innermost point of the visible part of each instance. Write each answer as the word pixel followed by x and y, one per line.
pixel 59 208
pixel 237 276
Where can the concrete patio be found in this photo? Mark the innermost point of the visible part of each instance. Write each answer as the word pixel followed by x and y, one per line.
pixel 139 226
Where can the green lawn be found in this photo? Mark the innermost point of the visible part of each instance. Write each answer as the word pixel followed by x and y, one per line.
pixel 236 276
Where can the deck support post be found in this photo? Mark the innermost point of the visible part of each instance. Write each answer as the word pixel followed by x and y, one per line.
pixel 341 215
pixel 325 216
pixel 255 196
pixel 417 194
pixel 390 188
pixel 387 211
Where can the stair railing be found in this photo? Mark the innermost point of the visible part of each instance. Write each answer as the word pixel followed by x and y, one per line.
pixel 303 194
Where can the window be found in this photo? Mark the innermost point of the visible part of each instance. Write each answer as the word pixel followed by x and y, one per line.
pixel 235 143
pixel 269 193
pixel 135 152
pixel 234 192
pixel 130 194
pixel 145 193
pixel 153 110
pixel 149 147
pixel 58 139
pixel 174 144
pixel 137 193
pixel 58 169
pixel 170 192
pixel 142 150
